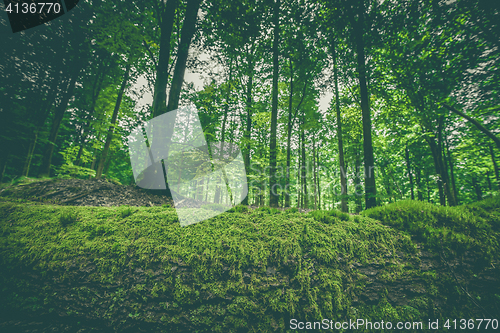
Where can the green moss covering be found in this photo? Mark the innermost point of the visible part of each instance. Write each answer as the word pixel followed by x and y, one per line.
pixel 241 271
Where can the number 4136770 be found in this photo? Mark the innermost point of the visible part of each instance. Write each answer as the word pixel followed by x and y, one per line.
pixel 471 324
pixel 33 8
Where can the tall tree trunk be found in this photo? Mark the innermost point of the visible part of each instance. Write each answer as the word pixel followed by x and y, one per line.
pixel 58 116
pixel 408 169
pixel 273 184
pixel 3 165
pixel 187 32
pixel 223 130
pixel 166 26
pixel 495 166
pixel 477 188
pixel 357 181
pixel 437 166
pixel 418 179
pixel 247 131
pixel 31 149
pixel 304 167
pixel 315 177
pixel 343 179
pixel 289 137
pixel 299 177
pixel 452 172
pixel 444 168
pixel 488 180
pixel 370 188
pixel 114 117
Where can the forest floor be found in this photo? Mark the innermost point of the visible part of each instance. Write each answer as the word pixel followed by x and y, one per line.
pixel 73 267
pixel 96 192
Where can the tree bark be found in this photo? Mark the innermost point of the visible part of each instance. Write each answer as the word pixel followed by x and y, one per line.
pixel 160 90
pixel 114 117
pixel 452 172
pixel 273 188
pixel 246 133
pixel 315 179
pixel 408 169
pixel 443 166
pixel 437 166
pixel 187 32
pixel 303 168
pixel 343 179
pixel 495 166
pixel 289 136
pixel 370 188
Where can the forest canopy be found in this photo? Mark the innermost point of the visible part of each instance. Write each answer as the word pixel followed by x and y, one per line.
pixel 333 103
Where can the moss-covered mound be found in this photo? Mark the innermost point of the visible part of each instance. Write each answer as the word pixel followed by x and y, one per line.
pixel 135 269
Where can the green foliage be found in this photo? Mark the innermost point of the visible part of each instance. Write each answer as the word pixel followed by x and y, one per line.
pixel 69 170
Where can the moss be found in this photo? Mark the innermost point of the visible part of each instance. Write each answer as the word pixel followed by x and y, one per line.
pixel 241 270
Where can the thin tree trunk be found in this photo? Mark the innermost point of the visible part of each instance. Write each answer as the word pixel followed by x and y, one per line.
pixel 370 188
pixel 343 179
pixel 408 169
pixel 289 136
pixel 319 187
pixel 114 117
pixel 315 178
pixel 247 133
pixel 31 149
pixel 452 172
pixel 488 180
pixel 444 168
pixel 273 190
pixel 303 168
pixel 437 166
pixel 418 179
pixel 299 178
pixel 495 166
pixel 3 165
pixel 477 188
pixel 357 181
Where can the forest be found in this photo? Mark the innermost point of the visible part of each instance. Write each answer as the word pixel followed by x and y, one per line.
pixel 368 131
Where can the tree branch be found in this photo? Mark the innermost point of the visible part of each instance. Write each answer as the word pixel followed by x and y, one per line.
pixel 476 123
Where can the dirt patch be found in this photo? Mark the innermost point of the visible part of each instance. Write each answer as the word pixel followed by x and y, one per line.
pixel 87 192
pixel 98 192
